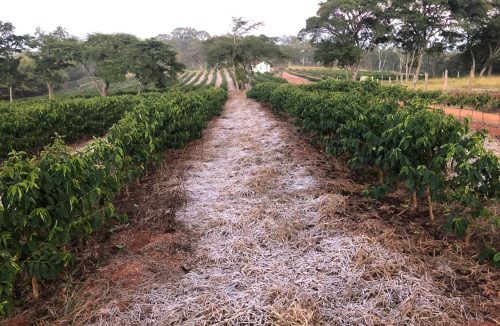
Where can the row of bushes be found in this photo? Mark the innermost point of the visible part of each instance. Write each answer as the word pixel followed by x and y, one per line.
pixel 434 155
pixel 49 202
pixel 483 102
pixel 27 126
pixel 345 74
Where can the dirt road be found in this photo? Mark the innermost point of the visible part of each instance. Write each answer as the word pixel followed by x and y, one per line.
pixel 210 76
pixel 479 120
pixel 296 80
pixel 219 79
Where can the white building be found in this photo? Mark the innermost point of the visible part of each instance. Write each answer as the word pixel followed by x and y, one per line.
pixel 262 67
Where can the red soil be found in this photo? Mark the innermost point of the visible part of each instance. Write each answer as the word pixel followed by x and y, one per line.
pixel 479 120
pixel 295 80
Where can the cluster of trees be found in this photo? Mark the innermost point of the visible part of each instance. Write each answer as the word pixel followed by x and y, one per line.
pixel 242 51
pixel 188 43
pixel 297 50
pixel 106 58
pixel 344 31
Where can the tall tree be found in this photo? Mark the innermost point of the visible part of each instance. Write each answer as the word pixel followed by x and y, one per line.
pixel 344 30
pixel 297 50
pixel 490 38
pixel 219 51
pixel 421 25
pixel 242 26
pixel 10 45
pixel 156 63
pixel 108 58
pixel 246 52
pixel 471 18
pixel 10 75
pixel 55 52
pixel 239 28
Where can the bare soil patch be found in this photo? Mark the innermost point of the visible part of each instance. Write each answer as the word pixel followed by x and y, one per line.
pixel 295 80
pixel 210 76
pixel 219 79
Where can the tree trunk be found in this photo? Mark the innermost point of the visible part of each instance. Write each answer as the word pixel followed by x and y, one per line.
pixel 379 60
pixel 429 202
pixel 235 82
pixel 445 82
pixel 414 204
pixel 490 71
pixel 355 72
pixel 483 69
pixel 381 176
pixel 400 70
pixel 419 66
pixel 472 71
pixel 406 67
pixel 468 233
pixel 11 97
pixel 139 90
pixel 105 91
pixel 35 287
pixel 50 88
pixel 411 66
pixel 99 88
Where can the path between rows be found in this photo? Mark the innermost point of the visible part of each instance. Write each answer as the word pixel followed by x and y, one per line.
pixel 203 74
pixel 230 83
pixel 219 79
pixel 191 80
pixel 295 80
pixel 210 77
pixel 268 246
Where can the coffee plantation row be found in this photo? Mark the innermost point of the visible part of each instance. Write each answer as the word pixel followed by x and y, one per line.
pixel 392 130
pixel 27 126
pixel 480 101
pixel 51 201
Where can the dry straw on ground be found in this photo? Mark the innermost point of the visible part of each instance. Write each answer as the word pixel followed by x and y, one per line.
pixel 273 247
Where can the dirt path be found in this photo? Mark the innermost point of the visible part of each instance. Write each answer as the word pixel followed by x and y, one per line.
pixel 210 76
pixel 230 83
pixel 270 245
pixel 198 82
pixel 191 80
pixel 219 79
pixel 296 80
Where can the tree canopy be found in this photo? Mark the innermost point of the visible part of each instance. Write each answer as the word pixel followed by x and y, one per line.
pixel 344 30
pixel 155 62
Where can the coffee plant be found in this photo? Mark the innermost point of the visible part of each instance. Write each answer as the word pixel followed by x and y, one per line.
pixel 48 202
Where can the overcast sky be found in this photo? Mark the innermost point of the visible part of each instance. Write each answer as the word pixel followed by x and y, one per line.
pixel 148 18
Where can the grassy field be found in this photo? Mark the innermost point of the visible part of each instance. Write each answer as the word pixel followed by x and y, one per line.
pixel 484 84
